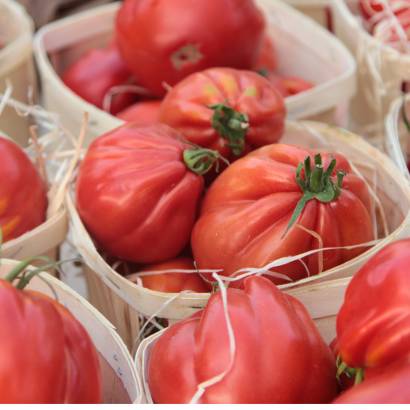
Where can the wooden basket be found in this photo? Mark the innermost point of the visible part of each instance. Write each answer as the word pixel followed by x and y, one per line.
pixel 126 298
pixel 381 71
pixel 323 301
pixel 397 136
pixel 120 380
pixel 45 238
pixel 16 65
pixel 305 49
pixel 318 10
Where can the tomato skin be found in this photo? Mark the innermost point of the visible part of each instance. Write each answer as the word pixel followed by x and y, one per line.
pixel 375 331
pixel 142 113
pixel 23 197
pixel 186 107
pixel 163 41
pixel 135 194
pixel 93 75
pixel 221 239
pixel 296 85
pixel 174 282
pixel 263 320
pixel 388 387
pixel 46 355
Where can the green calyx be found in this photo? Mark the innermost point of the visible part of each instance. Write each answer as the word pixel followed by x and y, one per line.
pixel 350 372
pixel 231 125
pixel 201 160
pixel 317 184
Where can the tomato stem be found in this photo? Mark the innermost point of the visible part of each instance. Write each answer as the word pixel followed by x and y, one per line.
pixel 231 125
pixel 201 160
pixel 316 184
pixel 350 372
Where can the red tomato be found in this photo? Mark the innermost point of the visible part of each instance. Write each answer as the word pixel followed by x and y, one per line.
pixel 227 110
pixel 138 191
pixel 374 331
pixel 268 58
pixel 176 281
pixel 388 387
pixel 95 74
pixel 142 113
pixel 46 354
pixel 296 85
pixel 280 356
pixel 23 198
pixel 164 41
pixel 247 212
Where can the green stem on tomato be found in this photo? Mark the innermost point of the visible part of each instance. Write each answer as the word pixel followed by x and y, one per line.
pixel 231 125
pixel 201 160
pixel 351 372
pixel 316 184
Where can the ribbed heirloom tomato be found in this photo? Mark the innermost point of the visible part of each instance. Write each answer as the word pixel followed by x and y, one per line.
pixel 228 110
pixel 95 74
pixel 46 356
pixel 175 280
pixel 280 356
pixel 138 191
pixel 142 113
pixel 163 41
pixel 247 212
pixel 374 331
pixel 23 199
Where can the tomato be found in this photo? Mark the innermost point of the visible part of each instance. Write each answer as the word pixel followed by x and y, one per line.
pixel 268 58
pixel 138 191
pixel 163 41
pixel 93 75
pixel 248 214
pixel 46 354
pixel 264 321
pixel 296 85
pixel 175 281
pixel 389 387
pixel 227 110
pixel 142 113
pixel 374 331
pixel 23 197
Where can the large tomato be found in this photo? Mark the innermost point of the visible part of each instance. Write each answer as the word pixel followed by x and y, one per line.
pixel 280 356
pixel 142 113
pixel 374 331
pixel 96 73
pixel 247 212
pixel 46 354
pixel 138 191
pixel 174 281
pixel 226 110
pixel 23 198
pixel 163 41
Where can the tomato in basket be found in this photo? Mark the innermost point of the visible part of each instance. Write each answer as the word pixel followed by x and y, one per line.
pixel 142 113
pixel 164 41
pixel 138 191
pixel 23 197
pixel 231 111
pixel 278 201
pixel 275 355
pixel 46 354
pixel 96 74
pixel 175 280
pixel 374 331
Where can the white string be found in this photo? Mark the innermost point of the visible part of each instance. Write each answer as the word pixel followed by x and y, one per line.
pixel 232 345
